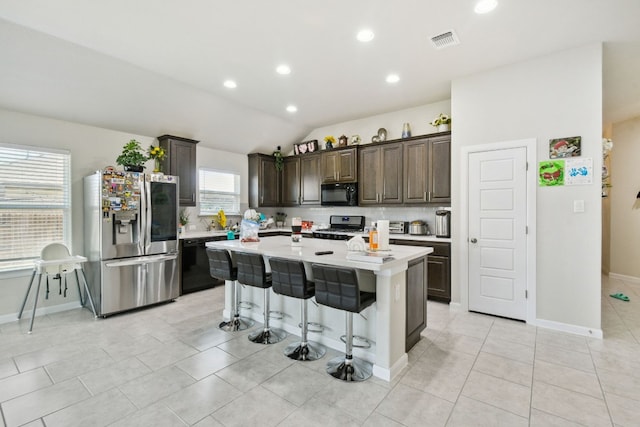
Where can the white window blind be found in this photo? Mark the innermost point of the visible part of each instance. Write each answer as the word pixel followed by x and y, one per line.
pixel 35 203
pixel 218 190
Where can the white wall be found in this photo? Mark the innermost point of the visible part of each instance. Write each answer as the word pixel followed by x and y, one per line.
pixel 91 149
pixel 550 97
pixel 625 181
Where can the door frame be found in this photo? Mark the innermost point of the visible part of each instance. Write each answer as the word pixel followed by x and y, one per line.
pixel 463 238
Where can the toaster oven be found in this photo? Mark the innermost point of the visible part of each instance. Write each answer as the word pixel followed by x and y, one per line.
pixel 398 227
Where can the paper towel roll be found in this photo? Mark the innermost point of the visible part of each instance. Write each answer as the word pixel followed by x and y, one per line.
pixel 383 234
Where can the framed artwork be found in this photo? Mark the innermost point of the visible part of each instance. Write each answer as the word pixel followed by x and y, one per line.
pixel 578 171
pixel 551 173
pixel 305 147
pixel 564 147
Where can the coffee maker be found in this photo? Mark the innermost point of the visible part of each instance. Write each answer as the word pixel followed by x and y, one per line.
pixel 443 223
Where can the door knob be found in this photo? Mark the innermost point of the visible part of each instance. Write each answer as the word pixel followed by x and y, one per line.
pixel 474 240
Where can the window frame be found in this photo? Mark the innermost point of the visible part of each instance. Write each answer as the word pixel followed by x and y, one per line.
pixel 66 205
pixel 236 193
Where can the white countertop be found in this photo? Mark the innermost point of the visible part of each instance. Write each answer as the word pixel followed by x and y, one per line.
pixel 280 246
pixel 221 233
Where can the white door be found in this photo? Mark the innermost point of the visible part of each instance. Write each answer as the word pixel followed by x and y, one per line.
pixel 497 232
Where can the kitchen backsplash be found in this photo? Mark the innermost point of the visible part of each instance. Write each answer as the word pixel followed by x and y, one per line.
pixel 320 214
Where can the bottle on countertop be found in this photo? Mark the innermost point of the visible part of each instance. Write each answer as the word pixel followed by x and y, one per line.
pixel 373 237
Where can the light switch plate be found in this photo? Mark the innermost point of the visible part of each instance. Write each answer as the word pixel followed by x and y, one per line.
pixel 578 206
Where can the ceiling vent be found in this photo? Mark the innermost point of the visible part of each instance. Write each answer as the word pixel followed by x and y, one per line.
pixel 446 39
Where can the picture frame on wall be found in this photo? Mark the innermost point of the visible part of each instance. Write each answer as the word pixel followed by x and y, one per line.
pixel 305 147
pixel 562 148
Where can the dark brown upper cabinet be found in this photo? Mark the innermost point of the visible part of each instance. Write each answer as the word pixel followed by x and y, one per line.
pixel 290 194
pixel 427 170
pixel 310 179
pixel 180 160
pixel 380 175
pixel 264 181
pixel 340 165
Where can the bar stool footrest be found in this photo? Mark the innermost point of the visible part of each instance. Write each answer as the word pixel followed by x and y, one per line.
pixel 277 315
pixel 358 341
pixel 314 327
pixel 247 305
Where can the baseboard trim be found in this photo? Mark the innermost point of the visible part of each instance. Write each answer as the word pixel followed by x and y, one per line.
pixel 571 329
pixel 625 278
pixel 455 306
pixel 8 318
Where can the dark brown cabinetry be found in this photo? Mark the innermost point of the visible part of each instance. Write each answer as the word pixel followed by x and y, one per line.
pixel 290 194
pixel 427 170
pixel 180 160
pixel 264 181
pixel 439 268
pixel 380 175
pixel 310 179
pixel 416 301
pixel 340 166
pixel 440 169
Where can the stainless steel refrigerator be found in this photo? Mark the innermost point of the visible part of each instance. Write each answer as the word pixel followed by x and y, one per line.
pixel 131 239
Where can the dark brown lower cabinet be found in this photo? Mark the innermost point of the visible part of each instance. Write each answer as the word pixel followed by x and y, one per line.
pixel 416 301
pixel 439 271
pixel 439 283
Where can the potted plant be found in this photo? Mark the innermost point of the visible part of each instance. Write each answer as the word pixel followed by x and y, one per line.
pixel 132 157
pixel 442 122
pixel 157 154
pixel 280 217
pixel 279 159
pixel 183 217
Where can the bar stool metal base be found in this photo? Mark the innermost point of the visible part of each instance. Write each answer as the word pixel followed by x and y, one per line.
pixel 267 336
pixel 350 370
pixel 308 351
pixel 236 324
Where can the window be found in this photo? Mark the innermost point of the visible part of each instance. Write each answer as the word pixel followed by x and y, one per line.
pixel 35 203
pixel 218 190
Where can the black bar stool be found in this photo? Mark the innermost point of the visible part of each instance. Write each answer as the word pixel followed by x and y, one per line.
pixel 289 278
pixel 221 267
pixel 252 272
pixel 338 288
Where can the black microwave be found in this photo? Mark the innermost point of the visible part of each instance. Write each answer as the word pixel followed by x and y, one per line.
pixel 339 194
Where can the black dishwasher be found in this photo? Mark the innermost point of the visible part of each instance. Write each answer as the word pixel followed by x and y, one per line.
pixel 195 266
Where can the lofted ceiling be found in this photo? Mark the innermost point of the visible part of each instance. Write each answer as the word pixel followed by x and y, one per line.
pixel 150 68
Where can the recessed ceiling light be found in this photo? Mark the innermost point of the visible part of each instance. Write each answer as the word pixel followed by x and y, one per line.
pixel 393 78
pixel 292 108
pixel 365 35
pixel 485 6
pixel 230 84
pixel 283 69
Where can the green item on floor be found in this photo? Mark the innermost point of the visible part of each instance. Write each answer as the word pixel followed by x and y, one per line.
pixel 620 296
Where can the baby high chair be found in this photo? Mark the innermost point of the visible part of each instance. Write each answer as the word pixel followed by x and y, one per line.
pixel 56 262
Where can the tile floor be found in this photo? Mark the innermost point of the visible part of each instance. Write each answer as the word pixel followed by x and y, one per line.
pixel 171 366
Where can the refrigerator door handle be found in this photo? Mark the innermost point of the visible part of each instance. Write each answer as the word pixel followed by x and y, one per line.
pixel 147 215
pixel 142 261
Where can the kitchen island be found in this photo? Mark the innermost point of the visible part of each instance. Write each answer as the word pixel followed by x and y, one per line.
pixel 384 323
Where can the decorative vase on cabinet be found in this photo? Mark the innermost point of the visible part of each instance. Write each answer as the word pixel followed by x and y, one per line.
pixel 443 127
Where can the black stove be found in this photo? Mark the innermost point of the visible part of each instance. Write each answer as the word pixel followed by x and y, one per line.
pixel 340 226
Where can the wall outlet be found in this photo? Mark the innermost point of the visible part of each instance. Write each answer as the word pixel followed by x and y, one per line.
pixel 192 227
